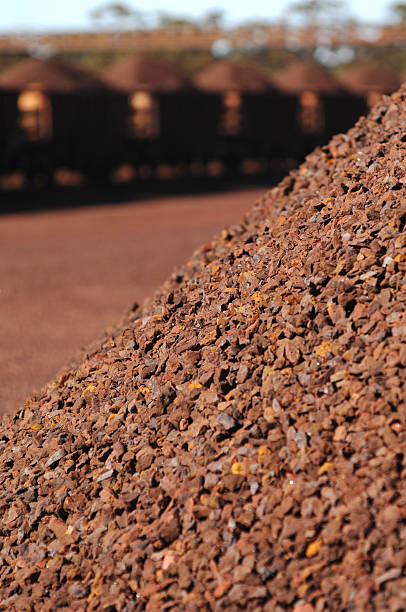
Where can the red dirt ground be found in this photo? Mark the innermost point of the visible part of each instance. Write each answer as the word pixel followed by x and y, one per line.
pixel 66 275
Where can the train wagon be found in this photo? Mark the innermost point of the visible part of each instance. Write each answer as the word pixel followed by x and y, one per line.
pixel 369 82
pixel 312 86
pixel 241 88
pixel 150 90
pixel 64 118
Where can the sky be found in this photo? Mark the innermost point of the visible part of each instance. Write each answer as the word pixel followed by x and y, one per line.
pixel 23 15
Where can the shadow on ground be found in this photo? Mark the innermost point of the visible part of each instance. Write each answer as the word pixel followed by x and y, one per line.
pixel 57 197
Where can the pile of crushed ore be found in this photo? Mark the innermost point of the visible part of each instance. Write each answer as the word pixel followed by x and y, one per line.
pixel 239 442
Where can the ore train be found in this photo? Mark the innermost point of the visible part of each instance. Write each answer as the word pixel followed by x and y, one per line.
pixel 142 114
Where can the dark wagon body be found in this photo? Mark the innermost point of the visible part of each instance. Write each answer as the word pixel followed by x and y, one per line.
pixel 342 110
pixel 268 125
pixel 88 132
pixel 189 125
pixel 9 133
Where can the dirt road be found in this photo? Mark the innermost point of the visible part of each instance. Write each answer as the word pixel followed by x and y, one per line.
pixel 65 275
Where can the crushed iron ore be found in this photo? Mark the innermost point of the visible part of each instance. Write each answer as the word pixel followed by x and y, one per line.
pixel 239 442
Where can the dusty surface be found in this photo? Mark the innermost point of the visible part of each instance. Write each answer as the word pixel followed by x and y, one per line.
pixel 66 275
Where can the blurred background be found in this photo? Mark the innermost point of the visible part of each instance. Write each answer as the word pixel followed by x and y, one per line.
pixel 128 137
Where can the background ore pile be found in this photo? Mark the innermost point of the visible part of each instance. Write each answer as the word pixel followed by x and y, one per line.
pixel 239 443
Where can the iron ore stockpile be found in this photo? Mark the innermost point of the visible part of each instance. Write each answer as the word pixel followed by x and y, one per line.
pixel 239 442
